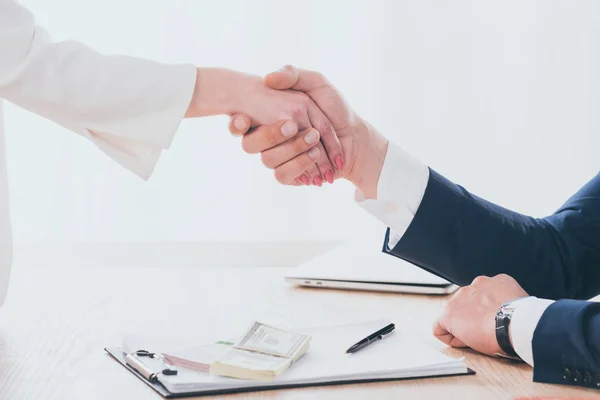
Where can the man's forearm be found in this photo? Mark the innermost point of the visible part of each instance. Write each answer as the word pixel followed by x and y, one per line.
pixel 460 236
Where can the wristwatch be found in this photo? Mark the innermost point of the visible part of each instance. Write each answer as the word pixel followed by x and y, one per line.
pixel 503 317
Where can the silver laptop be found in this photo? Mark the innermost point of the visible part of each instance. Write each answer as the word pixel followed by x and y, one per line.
pixel 363 266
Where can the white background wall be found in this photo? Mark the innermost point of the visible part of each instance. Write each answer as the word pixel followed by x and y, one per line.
pixel 502 97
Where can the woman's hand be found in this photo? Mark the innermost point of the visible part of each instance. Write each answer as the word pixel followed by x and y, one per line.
pixel 221 91
pixel 282 148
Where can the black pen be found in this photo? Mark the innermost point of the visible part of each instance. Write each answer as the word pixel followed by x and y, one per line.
pixel 371 338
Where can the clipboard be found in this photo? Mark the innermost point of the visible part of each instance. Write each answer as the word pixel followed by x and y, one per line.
pixel 118 354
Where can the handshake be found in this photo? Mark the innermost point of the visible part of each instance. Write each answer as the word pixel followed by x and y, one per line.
pixel 299 123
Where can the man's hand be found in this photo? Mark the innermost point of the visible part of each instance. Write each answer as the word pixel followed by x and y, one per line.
pixel 469 318
pixel 225 92
pixel 363 147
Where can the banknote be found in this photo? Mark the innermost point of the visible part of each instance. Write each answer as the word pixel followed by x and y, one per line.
pixel 254 361
pixel 265 339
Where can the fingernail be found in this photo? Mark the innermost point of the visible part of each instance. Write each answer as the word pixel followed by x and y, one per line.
pixel 312 136
pixel 288 129
pixel 329 176
pixel 313 153
pixel 339 161
pixel 304 179
pixel 318 181
pixel 239 123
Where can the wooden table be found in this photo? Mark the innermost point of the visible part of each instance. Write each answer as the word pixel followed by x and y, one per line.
pixel 56 323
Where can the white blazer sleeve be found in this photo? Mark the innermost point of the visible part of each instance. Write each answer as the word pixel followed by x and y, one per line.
pixel 130 108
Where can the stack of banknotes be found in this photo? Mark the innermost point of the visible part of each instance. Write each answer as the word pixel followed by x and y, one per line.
pixel 262 353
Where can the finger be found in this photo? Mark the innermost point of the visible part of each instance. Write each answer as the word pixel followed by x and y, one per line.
pixel 240 124
pixel 314 175
pixel 267 136
pixel 304 178
pixel 284 78
pixel 308 81
pixel 456 342
pixel 305 140
pixel 330 141
pixel 442 334
pixel 290 77
pixel 286 173
pixel 324 165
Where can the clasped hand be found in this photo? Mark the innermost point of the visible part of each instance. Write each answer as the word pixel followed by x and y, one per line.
pixel 292 149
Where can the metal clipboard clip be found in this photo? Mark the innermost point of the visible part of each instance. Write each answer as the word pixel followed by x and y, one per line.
pixel 134 361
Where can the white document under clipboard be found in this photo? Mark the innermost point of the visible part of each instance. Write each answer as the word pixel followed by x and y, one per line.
pixel 393 358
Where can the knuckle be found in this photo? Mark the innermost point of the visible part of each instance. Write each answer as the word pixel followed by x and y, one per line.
pixel 300 103
pixel 320 77
pixel 299 145
pixel 480 280
pixel 504 277
pixel 327 129
pixel 298 111
pixel 273 137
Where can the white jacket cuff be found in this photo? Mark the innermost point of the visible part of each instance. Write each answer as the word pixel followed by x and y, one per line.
pixel 128 106
pixel 137 142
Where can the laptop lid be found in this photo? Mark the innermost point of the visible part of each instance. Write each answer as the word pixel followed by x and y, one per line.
pixel 364 262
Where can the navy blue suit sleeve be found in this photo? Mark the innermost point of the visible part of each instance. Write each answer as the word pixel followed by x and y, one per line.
pixel 459 236
pixel 566 344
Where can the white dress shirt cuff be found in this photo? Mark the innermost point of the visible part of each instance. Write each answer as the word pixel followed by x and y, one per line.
pixel 524 320
pixel 400 189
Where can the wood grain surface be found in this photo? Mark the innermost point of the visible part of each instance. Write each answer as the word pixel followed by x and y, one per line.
pixel 56 323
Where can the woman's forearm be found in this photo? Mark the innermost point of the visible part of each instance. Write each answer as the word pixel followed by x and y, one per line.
pixel 218 91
